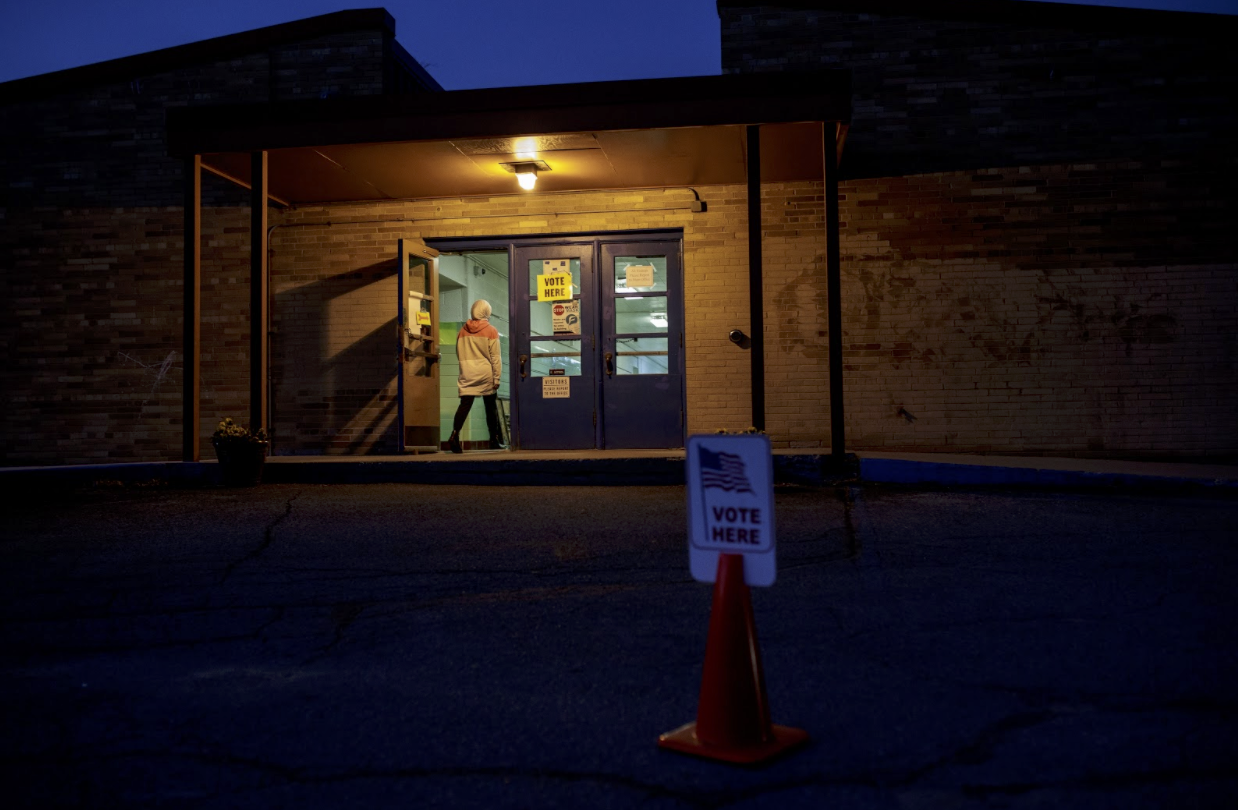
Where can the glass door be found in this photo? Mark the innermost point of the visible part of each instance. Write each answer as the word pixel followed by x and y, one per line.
pixel 554 310
pixel 417 384
pixel 642 345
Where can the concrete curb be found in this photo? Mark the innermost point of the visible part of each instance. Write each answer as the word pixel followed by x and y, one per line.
pixel 789 468
pixel 917 471
pixel 487 471
pixel 178 473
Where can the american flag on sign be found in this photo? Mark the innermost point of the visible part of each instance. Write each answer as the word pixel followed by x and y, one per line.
pixel 723 471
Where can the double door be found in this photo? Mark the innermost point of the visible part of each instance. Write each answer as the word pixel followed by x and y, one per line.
pixel 599 344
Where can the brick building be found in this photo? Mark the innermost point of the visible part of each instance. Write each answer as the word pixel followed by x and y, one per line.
pixel 1035 222
pixel 1039 244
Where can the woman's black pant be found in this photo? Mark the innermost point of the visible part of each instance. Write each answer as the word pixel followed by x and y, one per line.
pixel 491 402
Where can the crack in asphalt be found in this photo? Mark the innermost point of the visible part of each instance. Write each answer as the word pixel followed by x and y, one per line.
pixel 852 545
pixel 343 615
pixel 980 749
pixel 855 546
pixel 268 536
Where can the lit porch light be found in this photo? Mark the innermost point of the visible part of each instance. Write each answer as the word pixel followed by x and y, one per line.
pixel 526 172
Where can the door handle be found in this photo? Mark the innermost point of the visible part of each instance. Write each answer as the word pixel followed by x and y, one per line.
pixel 524 358
pixel 610 364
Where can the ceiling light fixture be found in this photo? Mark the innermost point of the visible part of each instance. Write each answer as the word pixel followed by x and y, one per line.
pixel 526 172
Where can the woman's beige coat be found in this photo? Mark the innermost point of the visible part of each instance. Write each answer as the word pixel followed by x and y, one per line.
pixel 481 359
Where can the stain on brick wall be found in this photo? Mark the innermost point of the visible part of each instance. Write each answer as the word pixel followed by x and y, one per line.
pixel 1038 249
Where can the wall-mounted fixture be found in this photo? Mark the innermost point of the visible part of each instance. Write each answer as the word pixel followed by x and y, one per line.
pixel 526 171
pixel 741 340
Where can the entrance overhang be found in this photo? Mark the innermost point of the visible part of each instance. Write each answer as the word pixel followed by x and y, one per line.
pixel 592 137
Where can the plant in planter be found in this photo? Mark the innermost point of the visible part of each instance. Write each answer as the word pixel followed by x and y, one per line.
pixel 241 453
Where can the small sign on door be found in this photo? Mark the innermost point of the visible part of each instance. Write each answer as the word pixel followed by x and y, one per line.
pixel 731 505
pixel 639 275
pixel 556 387
pixel 565 318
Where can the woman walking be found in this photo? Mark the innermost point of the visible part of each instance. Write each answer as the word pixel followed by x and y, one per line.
pixel 481 364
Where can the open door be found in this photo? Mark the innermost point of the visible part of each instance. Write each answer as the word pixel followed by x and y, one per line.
pixel 417 395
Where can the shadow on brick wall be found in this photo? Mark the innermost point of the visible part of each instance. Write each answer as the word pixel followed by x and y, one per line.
pixel 334 362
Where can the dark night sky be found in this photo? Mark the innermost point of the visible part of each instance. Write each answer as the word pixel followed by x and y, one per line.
pixel 463 43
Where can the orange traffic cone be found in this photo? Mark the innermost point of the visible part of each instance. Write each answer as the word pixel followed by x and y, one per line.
pixel 732 717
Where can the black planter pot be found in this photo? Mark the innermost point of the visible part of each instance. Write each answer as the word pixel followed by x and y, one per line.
pixel 240 461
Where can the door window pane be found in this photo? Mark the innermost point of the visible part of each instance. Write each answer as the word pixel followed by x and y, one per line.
pixel 639 265
pixel 419 275
pixel 550 318
pixel 551 355
pixel 538 266
pixel 641 314
pixel 641 356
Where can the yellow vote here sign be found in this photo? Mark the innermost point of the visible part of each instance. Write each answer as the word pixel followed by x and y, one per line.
pixel 555 281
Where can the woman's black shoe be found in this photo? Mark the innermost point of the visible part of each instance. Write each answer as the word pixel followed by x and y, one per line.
pixel 453 442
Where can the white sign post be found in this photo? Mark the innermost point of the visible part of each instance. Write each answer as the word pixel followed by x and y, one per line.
pixel 731 505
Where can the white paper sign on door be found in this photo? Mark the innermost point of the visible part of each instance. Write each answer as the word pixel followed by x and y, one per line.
pixel 639 275
pixel 556 387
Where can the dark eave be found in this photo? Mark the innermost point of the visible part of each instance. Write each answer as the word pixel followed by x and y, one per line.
pixel 1024 13
pixel 194 53
pixel 514 111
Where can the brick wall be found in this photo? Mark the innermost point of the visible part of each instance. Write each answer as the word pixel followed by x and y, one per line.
pixel 90 329
pixel 91 247
pixel 936 89
pixel 1007 311
pixel 1038 250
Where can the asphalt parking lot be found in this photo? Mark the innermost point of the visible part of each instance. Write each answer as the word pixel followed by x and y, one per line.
pixel 394 645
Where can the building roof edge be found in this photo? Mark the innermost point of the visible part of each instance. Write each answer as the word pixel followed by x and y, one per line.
pixel 1028 12
pixel 228 46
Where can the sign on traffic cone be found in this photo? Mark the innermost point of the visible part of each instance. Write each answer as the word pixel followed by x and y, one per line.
pixel 732 717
